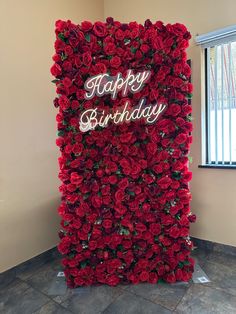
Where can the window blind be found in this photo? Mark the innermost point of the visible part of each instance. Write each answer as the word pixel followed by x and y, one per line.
pixel 217 37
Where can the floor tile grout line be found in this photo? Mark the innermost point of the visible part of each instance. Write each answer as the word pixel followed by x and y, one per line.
pixel 36 270
pixel 49 297
pixel 122 292
pixel 41 306
pixel 218 289
pixel 191 284
pixel 138 295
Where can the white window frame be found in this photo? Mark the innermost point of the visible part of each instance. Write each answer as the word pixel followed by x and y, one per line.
pixel 206 41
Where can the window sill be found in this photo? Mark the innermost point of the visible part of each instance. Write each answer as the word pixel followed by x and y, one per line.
pixel 218 166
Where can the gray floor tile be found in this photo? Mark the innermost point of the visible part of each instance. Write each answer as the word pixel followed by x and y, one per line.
pixel 91 300
pixel 43 278
pixel 128 303
pixel 52 308
pixel 200 256
pixel 221 258
pixel 200 299
pixel 221 276
pixel 20 298
pixel 167 295
pixel 29 268
pixel 7 277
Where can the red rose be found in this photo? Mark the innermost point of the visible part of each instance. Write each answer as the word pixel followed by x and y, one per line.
pixel 92 245
pixel 181 138
pixel 140 227
pixel 170 278
pixel 124 163
pixel 164 182
pixel 99 68
pixel 153 278
pixel 151 148
pixel 68 50
pixel 113 280
pixel 96 201
pixel 186 109
pixel 192 218
pixel 119 195
pixel 144 276
pixel 155 228
pixel 126 137
pixel 115 62
pixel 112 179
pixel 144 48
pixel 56 70
pixel 174 232
pixel 75 178
pixel 107 223
pixel 174 110
pixel 99 29
pixel 87 58
pixel 74 104
pixel 86 26
pixel 64 102
pixel 119 35
pixel 110 49
pixel 123 184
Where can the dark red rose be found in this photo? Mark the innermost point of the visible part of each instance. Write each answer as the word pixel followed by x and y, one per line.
pixel 155 228
pixel 144 48
pixel 151 148
pixel 192 218
pixel 87 58
pixel 186 109
pixel 164 182
pixel 123 184
pixel 174 232
pixel 153 278
pixel 68 50
pixel 170 278
pixel 115 62
pixel 124 163
pixel 119 35
pixel 92 245
pixel 113 280
pixel 144 276
pixel 86 26
pixel 126 137
pixel 181 138
pixel 119 195
pixel 107 223
pixel 64 103
pixel 99 68
pixel 96 201
pixel 99 29
pixel 174 110
pixel 110 49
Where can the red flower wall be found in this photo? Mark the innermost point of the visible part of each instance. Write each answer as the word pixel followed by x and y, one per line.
pixel 125 195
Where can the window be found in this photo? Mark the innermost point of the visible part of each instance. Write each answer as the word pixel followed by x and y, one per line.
pixel 220 113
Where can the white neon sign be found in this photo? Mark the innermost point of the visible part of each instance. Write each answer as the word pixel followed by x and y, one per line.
pixel 103 84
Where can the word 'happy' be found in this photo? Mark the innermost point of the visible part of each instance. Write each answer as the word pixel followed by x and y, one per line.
pixel 92 118
pixel 103 84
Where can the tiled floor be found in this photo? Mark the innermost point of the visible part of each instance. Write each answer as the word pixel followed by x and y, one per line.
pixel 38 290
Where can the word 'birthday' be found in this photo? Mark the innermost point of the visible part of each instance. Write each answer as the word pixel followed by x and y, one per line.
pixel 91 118
pixel 104 84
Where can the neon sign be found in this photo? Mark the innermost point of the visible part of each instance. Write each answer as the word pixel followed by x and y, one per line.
pixel 103 84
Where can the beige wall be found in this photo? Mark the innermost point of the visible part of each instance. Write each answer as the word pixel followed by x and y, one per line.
pixel 213 190
pixel 28 160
